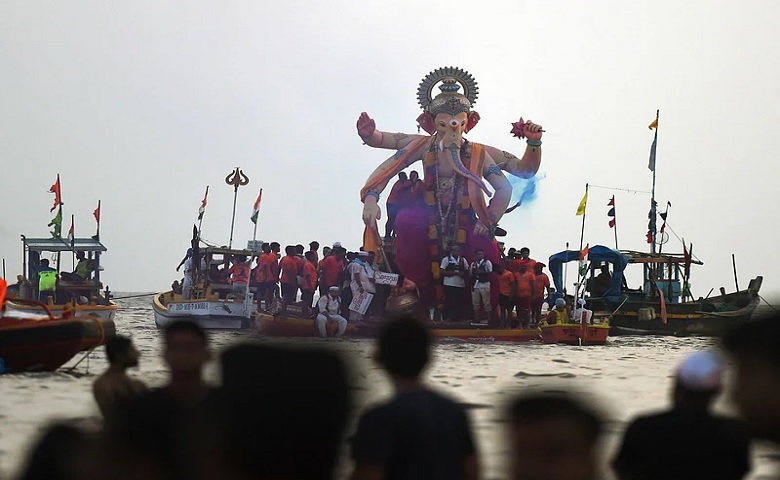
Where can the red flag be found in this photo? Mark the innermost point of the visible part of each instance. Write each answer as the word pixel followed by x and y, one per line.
pixel 611 202
pixel 584 252
pixel 612 223
pixel 96 213
pixel 57 191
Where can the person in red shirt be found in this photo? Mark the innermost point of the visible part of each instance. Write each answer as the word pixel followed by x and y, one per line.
pixel 542 286
pixel 523 258
pixel 506 295
pixel 313 247
pixel 239 274
pixel 265 276
pixel 394 201
pixel 525 284
pixel 289 267
pixel 308 282
pixel 331 270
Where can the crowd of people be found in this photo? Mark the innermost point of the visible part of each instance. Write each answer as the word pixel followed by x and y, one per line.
pixel 290 421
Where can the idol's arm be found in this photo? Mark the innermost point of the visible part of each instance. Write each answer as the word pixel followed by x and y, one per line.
pixel 502 189
pixel 525 167
pixel 388 169
pixel 374 138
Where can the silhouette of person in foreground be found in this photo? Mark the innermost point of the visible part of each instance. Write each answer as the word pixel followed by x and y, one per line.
pixel 553 437
pixel 418 433
pixel 283 412
pixel 63 452
pixel 755 348
pixel 696 443
pixel 114 385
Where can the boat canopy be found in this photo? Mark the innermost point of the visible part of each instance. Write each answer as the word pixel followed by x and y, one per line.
pixel 664 258
pixel 226 251
pixel 596 253
pixel 63 245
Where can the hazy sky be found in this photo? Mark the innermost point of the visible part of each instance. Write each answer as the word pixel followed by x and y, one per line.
pixel 142 104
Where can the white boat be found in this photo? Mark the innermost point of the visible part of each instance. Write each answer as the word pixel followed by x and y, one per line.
pixel 212 304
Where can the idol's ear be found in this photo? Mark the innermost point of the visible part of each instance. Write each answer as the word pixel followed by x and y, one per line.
pixel 472 121
pixel 425 121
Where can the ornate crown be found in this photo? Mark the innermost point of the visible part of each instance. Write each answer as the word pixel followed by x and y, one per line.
pixel 449 100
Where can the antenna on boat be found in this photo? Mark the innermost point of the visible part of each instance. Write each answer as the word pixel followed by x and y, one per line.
pixel 651 165
pixel 236 178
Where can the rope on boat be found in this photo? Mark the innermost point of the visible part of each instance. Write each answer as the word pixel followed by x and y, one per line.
pixel 134 296
pixel 770 305
pixel 101 340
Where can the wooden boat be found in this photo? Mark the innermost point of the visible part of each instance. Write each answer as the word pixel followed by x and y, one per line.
pixel 662 306
pixel 33 343
pixel 292 325
pixel 575 334
pixel 82 298
pixel 211 304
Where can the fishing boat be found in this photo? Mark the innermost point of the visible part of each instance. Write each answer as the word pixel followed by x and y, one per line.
pixel 34 343
pixel 85 297
pixel 575 334
pixel 212 303
pixel 662 305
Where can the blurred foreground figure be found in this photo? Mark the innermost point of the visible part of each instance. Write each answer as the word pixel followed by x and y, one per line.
pixel 553 437
pixel 755 347
pixel 687 441
pixel 114 386
pixel 63 452
pixel 418 434
pixel 283 412
pixel 153 435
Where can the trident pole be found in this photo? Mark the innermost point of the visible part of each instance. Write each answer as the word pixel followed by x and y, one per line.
pixel 236 178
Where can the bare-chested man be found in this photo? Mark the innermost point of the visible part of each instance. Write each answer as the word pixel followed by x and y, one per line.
pixel 114 385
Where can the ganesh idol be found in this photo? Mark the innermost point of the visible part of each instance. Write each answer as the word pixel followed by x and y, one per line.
pixel 456 177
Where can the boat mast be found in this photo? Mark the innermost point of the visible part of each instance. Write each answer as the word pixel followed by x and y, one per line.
pixel 236 178
pixel 651 165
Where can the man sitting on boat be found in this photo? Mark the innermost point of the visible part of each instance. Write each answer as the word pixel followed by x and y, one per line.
pixel 559 314
pixel 329 307
pixel 47 281
pixel 603 282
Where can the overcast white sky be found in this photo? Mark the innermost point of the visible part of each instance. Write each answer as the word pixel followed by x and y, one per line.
pixel 142 104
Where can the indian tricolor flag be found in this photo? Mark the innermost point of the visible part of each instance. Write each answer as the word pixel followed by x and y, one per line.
pixel 256 208
pixel 71 235
pixel 203 203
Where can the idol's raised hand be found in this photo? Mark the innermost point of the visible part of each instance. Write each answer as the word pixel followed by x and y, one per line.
pixel 365 126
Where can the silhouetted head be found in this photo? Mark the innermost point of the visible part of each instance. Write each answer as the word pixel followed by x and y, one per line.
pixel 63 452
pixel 755 347
pixel 289 250
pixel 479 255
pixel 525 252
pixel 314 246
pixel 553 437
pixel 266 248
pixel 284 411
pixel 326 251
pixel 299 249
pixel 698 380
pixel 121 352
pixel 402 176
pixel 403 347
pixel 45 262
pixel 310 256
pixel 186 348
pixel 276 247
pixel 456 251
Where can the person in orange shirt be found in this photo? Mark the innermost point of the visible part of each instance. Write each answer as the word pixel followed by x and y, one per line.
pixel 239 274
pixel 289 268
pixel 525 284
pixel 506 295
pixel 331 270
pixel 542 286
pixel 263 276
pixel 308 282
pixel 523 258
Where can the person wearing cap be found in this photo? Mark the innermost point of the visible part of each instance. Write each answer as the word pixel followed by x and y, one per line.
pixel 581 313
pixel 687 441
pixel 559 314
pixel 329 307
pixel 541 287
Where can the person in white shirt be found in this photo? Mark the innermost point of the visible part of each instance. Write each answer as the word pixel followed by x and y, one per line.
pixel 581 313
pixel 360 281
pixel 187 284
pixel 329 307
pixel 480 272
pixel 454 269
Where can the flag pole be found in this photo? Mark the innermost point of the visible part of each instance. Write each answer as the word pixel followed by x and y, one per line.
pixel 566 272
pixel 200 216
pixel 236 178
pixel 73 242
pixel 584 212
pixel 653 211
pixel 97 232
pixel 247 302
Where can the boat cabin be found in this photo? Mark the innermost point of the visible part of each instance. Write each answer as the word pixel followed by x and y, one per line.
pixel 211 279
pixel 80 282
pixel 664 273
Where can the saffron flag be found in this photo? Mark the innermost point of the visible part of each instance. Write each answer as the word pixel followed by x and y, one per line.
pixel 96 213
pixel 654 124
pixel 611 212
pixel 256 208
pixel 56 189
pixel 583 204
pixel 56 222
pixel 583 268
pixel 584 252
pixel 203 203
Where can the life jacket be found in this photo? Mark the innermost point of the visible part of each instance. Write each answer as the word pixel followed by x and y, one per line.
pixel 47 280
pixel 483 276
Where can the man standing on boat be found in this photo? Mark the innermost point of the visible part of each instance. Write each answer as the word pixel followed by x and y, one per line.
pixel 454 269
pixel 47 281
pixel 187 284
pixel 239 275
pixel 541 286
pixel 329 307
pixel 480 271
pixel 419 433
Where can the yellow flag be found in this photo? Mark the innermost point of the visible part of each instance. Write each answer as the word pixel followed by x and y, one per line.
pixel 654 124
pixel 583 203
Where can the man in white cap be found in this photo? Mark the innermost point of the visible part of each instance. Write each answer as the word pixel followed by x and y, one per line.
pixel 329 307
pixel 687 441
